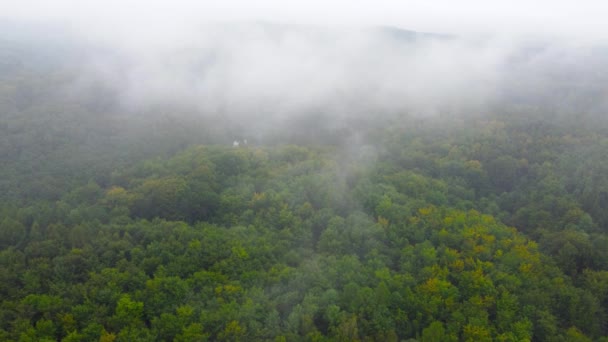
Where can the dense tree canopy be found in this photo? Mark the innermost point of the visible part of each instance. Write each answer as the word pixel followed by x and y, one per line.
pixel 478 228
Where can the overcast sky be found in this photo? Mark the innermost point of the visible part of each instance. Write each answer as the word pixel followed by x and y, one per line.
pixel 582 19
pixel 171 52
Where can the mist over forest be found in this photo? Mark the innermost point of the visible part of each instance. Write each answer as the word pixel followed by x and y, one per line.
pixel 277 180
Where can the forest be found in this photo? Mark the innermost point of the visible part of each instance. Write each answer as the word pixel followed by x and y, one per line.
pixel 156 226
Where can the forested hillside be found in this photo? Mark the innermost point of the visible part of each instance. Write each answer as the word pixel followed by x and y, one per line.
pixel 152 226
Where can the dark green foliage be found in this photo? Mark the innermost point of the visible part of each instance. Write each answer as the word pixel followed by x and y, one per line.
pixel 125 232
pixel 276 259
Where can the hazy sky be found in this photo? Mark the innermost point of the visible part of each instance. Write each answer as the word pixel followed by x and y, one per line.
pixel 580 19
pixel 171 52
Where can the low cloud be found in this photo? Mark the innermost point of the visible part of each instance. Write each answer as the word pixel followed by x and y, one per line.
pixel 270 62
pixel 273 71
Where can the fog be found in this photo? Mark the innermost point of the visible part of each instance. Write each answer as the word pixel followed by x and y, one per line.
pixel 303 169
pixel 269 65
pixel 277 70
pixel 582 20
